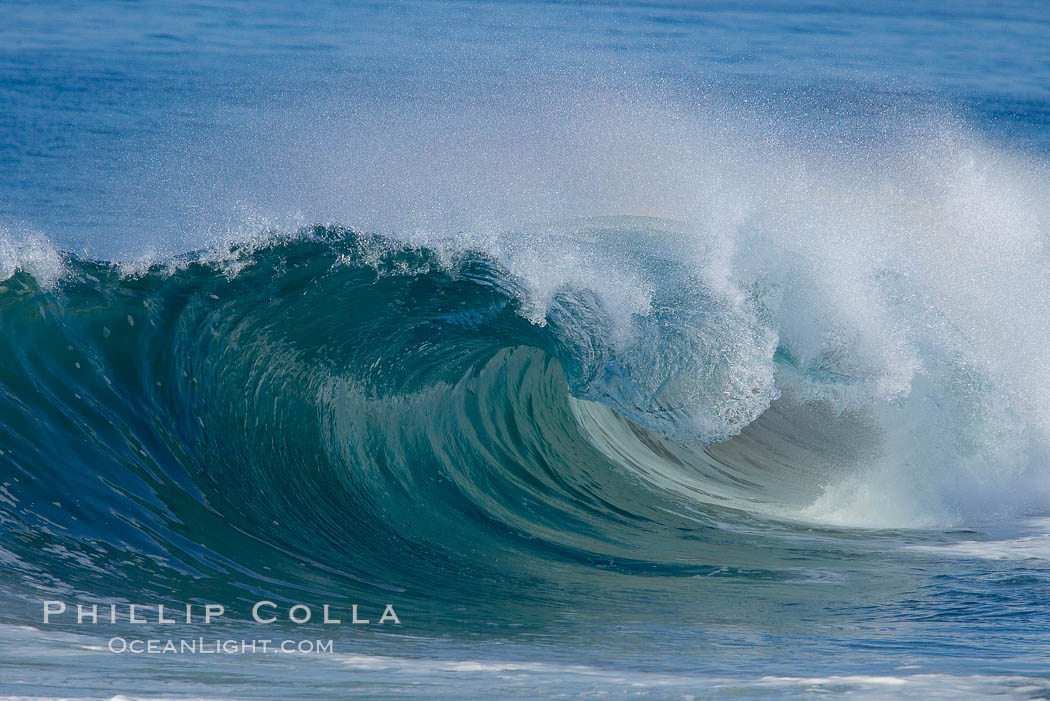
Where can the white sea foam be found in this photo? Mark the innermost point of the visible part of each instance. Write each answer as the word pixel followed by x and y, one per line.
pixel 1032 544
pixel 24 249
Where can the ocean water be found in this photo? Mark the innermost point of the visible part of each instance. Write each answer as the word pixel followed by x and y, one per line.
pixel 614 350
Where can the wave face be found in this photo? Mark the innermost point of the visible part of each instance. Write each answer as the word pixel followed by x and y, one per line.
pixel 378 393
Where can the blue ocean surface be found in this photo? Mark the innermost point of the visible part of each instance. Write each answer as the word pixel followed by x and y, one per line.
pixel 653 350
